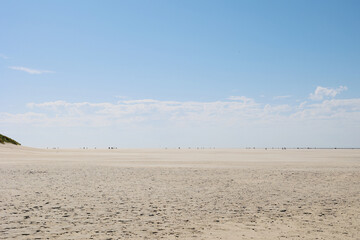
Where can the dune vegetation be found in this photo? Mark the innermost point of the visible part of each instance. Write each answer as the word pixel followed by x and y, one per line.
pixel 5 139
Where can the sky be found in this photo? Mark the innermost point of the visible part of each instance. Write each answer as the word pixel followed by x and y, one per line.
pixel 154 74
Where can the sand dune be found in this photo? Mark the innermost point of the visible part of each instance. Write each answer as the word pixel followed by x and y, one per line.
pixel 179 194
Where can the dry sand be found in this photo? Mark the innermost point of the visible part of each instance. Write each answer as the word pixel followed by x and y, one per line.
pixel 179 194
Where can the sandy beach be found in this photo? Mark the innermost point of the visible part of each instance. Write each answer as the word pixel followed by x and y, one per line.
pixel 179 194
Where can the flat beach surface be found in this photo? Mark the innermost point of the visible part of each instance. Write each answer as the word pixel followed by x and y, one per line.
pixel 179 194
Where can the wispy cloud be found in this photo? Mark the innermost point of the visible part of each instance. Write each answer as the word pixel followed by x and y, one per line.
pixel 238 110
pixel 302 104
pixel 238 119
pixel 121 97
pixel 282 97
pixel 322 92
pixel 3 56
pixel 242 99
pixel 30 70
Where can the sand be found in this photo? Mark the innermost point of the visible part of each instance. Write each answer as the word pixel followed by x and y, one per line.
pixel 179 194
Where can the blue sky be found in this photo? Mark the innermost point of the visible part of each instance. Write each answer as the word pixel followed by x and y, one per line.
pixel 180 73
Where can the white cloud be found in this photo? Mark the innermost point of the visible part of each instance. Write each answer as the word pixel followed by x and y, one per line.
pixel 321 92
pixel 341 109
pixel 3 56
pixel 302 104
pixel 235 110
pixel 241 98
pixel 282 97
pixel 147 110
pixel 227 122
pixel 23 118
pixel 121 97
pixel 242 111
pixel 29 70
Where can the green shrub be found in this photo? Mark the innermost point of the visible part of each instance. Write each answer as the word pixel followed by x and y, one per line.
pixel 5 139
